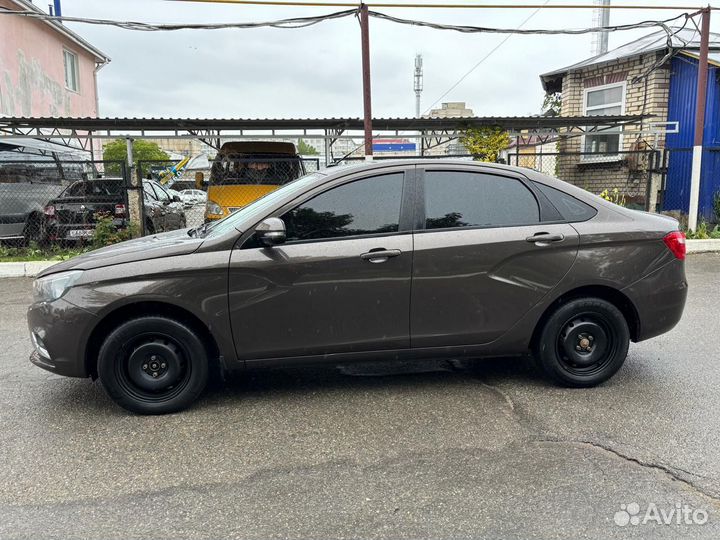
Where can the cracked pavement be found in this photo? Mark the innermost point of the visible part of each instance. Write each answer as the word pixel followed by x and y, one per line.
pixel 432 449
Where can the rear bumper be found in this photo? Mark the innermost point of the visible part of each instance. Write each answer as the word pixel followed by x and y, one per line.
pixel 58 331
pixel 61 231
pixel 659 299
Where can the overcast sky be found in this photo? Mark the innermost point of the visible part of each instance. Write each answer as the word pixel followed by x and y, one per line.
pixel 315 72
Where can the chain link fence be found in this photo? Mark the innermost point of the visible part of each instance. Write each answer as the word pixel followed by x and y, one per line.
pixel 44 202
pixel 202 195
pixel 634 174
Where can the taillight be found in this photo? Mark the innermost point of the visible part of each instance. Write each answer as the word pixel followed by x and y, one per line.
pixel 119 209
pixel 675 241
pixel 49 210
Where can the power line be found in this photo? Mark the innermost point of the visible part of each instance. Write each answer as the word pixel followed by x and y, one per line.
pixel 492 51
pixel 439 6
pixel 295 22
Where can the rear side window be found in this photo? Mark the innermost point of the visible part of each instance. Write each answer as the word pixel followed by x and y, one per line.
pixel 467 199
pixel 569 207
pixel 369 206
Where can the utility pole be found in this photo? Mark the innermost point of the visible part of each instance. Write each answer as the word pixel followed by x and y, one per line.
pixel 418 83
pixel 367 104
pixel 601 19
pixel 700 102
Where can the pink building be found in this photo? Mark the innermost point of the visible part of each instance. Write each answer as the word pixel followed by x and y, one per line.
pixel 46 69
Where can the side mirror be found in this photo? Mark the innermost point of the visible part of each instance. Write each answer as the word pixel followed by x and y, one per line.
pixel 271 231
pixel 176 198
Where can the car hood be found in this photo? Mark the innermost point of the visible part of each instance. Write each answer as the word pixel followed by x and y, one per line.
pixel 148 247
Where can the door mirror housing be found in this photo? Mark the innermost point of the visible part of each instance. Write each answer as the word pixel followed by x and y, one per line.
pixel 271 231
pixel 176 198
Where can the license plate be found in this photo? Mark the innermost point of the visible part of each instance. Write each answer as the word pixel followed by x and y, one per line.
pixel 81 233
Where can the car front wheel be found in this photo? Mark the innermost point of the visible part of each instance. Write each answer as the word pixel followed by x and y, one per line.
pixel 153 365
pixel 583 343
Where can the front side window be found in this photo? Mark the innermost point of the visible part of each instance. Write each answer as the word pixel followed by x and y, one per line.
pixel 71 71
pixel 605 101
pixel 467 199
pixel 369 206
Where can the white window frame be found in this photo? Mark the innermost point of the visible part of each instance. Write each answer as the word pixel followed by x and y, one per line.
pixel 76 73
pixel 586 91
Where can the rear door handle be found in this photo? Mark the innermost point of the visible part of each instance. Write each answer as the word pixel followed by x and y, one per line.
pixel 541 239
pixel 380 255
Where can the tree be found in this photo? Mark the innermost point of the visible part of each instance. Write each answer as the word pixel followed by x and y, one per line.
pixel 552 104
pixel 142 151
pixel 486 143
pixel 304 149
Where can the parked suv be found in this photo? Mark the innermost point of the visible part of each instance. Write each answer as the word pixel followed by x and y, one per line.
pixel 394 260
pixel 24 191
pixel 72 215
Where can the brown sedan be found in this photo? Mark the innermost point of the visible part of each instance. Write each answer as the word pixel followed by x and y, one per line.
pixel 384 261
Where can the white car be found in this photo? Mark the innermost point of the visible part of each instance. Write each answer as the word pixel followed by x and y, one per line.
pixel 193 196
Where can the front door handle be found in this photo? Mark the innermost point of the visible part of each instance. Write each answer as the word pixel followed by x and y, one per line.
pixel 380 255
pixel 543 239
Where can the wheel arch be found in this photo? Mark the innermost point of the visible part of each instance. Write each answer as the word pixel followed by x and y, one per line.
pixel 125 312
pixel 604 292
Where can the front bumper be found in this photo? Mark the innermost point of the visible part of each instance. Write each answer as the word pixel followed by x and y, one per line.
pixel 59 331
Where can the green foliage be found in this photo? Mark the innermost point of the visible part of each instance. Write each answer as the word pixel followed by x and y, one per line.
pixel 33 252
pixel 106 233
pixel 613 196
pixel 702 232
pixel 485 143
pixel 304 149
pixel 716 206
pixel 142 151
pixel 552 103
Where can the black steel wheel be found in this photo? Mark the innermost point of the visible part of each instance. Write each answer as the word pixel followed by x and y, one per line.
pixel 583 343
pixel 153 365
pixel 35 230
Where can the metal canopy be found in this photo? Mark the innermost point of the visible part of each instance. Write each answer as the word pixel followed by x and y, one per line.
pixel 382 124
pixel 80 132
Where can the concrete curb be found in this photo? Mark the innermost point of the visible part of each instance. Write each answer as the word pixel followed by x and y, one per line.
pixel 32 269
pixel 24 269
pixel 703 246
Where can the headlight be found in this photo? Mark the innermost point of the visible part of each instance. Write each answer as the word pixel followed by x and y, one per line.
pixel 214 208
pixel 52 287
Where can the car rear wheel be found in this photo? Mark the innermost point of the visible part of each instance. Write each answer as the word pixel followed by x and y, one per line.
pixel 583 343
pixel 153 365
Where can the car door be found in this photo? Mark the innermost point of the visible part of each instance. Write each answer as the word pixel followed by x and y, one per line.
pixel 488 247
pixel 340 283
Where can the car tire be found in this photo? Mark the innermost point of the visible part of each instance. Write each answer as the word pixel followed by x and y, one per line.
pixel 149 227
pixel 35 230
pixel 153 365
pixel 583 343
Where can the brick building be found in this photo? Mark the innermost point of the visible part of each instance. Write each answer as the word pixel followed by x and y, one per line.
pixel 633 79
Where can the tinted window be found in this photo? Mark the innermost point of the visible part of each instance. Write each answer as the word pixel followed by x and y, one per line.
pixel 369 206
pixel 97 188
pixel 465 199
pixel 569 207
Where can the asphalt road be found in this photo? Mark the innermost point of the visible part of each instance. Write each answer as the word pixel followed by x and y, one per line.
pixel 436 450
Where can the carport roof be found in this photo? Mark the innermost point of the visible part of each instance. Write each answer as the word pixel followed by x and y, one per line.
pixel 387 124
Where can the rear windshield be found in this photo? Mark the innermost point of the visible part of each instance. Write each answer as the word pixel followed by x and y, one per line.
pixel 103 188
pixel 255 170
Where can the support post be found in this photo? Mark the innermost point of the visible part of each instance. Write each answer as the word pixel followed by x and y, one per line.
pixel 134 193
pixel 700 102
pixel 367 103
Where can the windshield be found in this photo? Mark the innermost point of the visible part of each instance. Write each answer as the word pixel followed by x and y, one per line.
pixel 265 169
pixel 261 205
